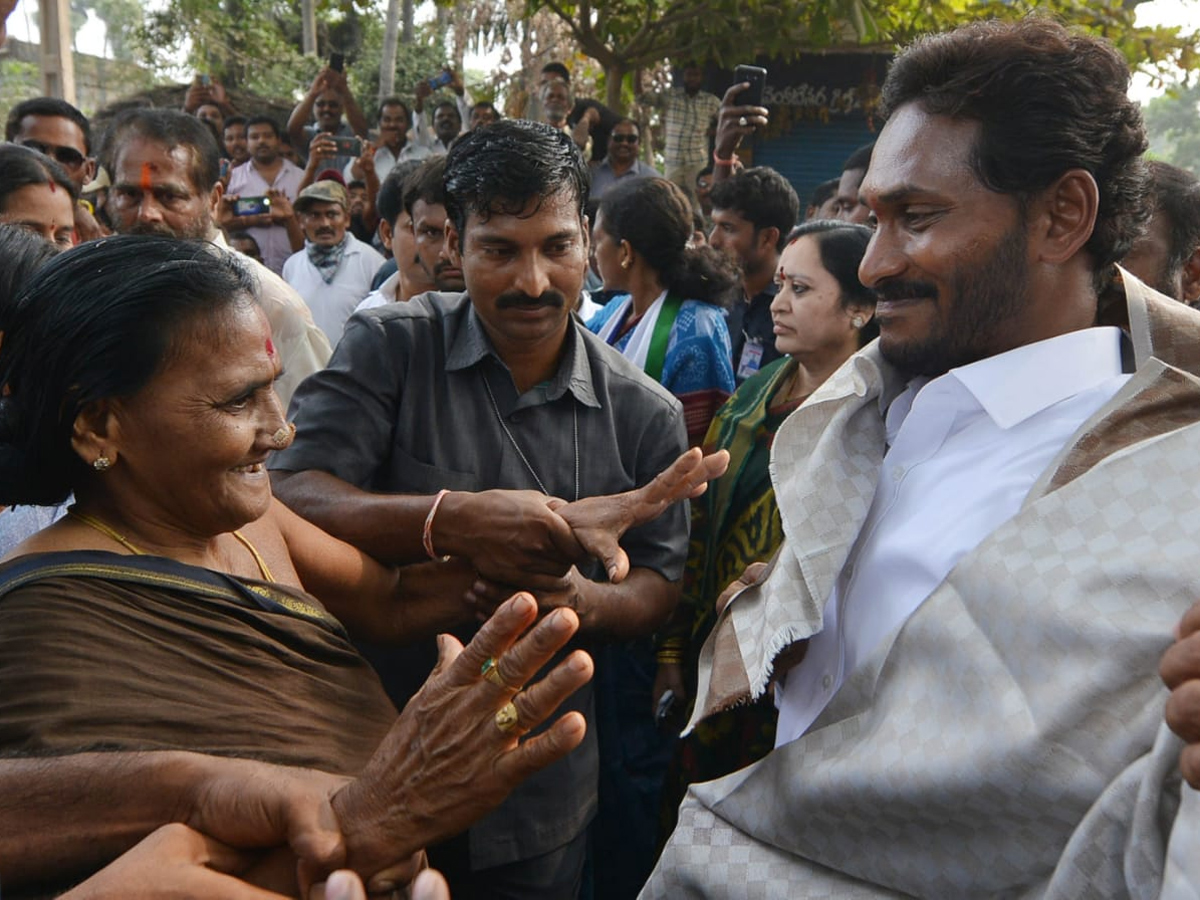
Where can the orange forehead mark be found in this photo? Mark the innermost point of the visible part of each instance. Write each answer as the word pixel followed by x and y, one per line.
pixel 147 180
pixel 53 186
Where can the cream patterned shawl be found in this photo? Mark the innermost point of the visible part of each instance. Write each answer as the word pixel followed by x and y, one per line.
pixel 1007 740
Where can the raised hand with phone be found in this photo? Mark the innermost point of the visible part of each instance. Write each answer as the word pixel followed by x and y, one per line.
pixel 741 114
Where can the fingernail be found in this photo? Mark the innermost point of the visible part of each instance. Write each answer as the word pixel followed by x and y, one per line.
pixel 577 664
pixel 612 573
pixel 340 886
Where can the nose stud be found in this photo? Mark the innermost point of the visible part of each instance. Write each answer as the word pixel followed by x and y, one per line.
pixel 282 439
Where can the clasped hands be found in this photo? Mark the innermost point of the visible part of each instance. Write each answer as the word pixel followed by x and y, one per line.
pixel 534 542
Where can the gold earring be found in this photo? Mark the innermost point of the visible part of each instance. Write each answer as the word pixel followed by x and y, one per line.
pixel 102 464
pixel 624 264
pixel 857 322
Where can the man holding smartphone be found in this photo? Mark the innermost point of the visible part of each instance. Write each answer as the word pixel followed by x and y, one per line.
pixel 328 97
pixel 266 174
pixel 687 112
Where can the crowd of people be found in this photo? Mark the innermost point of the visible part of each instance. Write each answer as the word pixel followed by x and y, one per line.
pixel 379 500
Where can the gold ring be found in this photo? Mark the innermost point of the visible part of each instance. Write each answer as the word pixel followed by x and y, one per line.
pixel 491 671
pixel 507 718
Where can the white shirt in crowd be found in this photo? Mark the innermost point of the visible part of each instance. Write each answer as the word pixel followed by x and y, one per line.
pixel 331 304
pixel 964 451
pixel 382 295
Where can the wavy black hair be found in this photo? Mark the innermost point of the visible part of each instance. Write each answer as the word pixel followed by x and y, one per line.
pixel 501 169
pixel 762 197
pixel 1047 99
pixel 23 166
pixel 654 215
pixel 96 322
pixel 21 254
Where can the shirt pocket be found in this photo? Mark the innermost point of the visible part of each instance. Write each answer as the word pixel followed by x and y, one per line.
pixel 408 475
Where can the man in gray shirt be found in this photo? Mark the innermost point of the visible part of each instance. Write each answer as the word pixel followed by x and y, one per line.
pixel 497 402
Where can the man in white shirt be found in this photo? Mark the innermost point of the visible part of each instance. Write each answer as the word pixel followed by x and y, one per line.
pixel 988 518
pixel 395 145
pixel 334 270
pixel 266 174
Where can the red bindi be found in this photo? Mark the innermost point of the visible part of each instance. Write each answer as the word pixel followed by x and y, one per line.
pixel 53 186
pixel 270 348
pixel 147 182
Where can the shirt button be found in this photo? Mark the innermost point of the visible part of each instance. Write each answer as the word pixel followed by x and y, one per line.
pixel 826 682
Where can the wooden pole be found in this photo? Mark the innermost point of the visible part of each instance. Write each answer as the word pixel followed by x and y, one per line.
pixel 58 65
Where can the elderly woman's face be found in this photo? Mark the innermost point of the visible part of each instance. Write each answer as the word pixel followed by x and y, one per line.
pixel 193 443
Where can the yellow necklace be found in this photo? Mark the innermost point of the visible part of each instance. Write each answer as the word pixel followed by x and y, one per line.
pixel 105 529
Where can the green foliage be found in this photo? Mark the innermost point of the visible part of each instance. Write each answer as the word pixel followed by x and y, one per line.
pixel 1173 121
pixel 18 81
pixel 423 58
pixel 625 34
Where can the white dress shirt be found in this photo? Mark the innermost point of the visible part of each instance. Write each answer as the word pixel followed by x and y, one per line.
pixel 331 304
pixel 964 451
pixel 382 295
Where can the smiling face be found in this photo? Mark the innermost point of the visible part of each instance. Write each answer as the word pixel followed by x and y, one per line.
pixel 328 108
pixel 44 209
pixel 623 145
pixel 524 272
pixel 393 126
pixel 809 318
pixel 191 445
pixel 949 257
pixel 556 101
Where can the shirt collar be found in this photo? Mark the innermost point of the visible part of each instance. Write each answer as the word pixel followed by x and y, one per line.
pixel 1022 382
pixel 471 345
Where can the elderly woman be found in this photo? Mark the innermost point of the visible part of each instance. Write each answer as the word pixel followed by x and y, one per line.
pixel 176 607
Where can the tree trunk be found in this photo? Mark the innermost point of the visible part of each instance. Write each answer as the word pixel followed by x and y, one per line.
pixel 308 25
pixel 409 35
pixel 387 63
pixel 614 75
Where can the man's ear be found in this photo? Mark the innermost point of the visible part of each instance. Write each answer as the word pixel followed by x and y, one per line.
pixel 385 232
pixel 1064 216
pixel 767 238
pixel 214 201
pixel 89 168
pixel 1190 278
pixel 95 432
pixel 453 244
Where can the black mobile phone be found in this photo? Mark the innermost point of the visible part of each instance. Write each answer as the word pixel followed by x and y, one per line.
pixel 251 206
pixel 337 62
pixel 348 146
pixel 757 76
pixel 205 80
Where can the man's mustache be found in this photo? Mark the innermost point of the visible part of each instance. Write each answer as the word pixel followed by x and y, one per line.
pixel 322 232
pixel 549 298
pixel 901 289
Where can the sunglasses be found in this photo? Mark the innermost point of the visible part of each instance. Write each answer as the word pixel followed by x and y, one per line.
pixel 64 156
pixel 624 138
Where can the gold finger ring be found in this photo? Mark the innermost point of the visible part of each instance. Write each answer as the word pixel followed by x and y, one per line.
pixel 507 718
pixel 491 671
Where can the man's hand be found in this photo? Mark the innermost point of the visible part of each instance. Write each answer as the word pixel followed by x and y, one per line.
pixel 668 677
pixel 321 82
pixel 281 207
pixel 446 762
pixel 485 596
pixel 598 523
pixel 366 162
pixel 175 863
pixel 730 130
pixel 321 149
pixel 511 537
pixel 1180 671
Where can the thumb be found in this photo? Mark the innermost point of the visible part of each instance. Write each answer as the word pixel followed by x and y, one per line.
pixel 616 561
pixel 448 649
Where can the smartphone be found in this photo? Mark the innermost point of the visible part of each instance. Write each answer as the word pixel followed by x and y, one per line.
pixel 225 166
pixel 441 79
pixel 337 62
pixel 757 76
pixel 251 206
pixel 348 146
pixel 205 80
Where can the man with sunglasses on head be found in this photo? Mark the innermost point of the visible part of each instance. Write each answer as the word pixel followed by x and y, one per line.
pixel 59 130
pixel 622 159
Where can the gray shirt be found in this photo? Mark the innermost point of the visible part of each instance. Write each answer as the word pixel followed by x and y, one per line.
pixel 402 408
